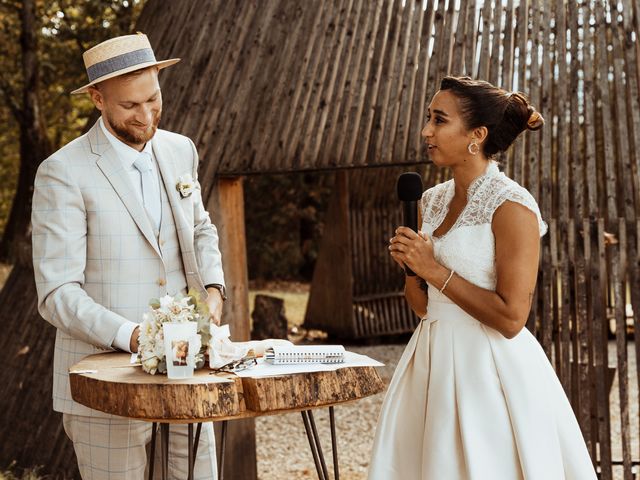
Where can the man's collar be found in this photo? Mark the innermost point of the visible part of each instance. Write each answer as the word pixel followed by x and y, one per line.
pixel 126 153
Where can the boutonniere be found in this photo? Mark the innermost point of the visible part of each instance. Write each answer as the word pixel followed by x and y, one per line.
pixel 185 185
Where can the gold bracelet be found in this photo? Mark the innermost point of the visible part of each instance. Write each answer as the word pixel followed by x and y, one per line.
pixel 446 282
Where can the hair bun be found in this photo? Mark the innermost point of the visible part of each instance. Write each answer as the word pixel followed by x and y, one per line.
pixel 536 121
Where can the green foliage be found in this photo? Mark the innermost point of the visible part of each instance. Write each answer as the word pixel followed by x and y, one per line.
pixel 66 28
pixel 69 28
pixel 27 474
pixel 284 221
pixel 9 163
pixel 284 212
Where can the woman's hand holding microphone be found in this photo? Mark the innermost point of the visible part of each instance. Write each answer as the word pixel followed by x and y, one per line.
pixel 413 250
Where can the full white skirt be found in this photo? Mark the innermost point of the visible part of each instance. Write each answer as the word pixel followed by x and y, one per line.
pixel 467 403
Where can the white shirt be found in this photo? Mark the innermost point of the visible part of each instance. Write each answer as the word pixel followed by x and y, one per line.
pixel 127 155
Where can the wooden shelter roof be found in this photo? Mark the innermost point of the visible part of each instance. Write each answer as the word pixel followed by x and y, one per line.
pixel 284 85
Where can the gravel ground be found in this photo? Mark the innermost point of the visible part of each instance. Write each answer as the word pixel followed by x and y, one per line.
pixel 289 457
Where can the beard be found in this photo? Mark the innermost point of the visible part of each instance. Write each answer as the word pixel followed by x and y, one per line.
pixel 133 135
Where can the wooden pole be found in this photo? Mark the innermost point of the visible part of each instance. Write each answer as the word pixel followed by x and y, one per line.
pixel 226 207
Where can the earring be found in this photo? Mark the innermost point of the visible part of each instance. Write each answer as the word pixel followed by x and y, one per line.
pixel 473 148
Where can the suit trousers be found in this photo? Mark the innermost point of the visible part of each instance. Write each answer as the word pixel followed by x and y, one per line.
pixel 116 448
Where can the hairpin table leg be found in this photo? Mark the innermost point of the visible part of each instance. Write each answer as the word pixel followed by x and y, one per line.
pixel 313 445
pixel 223 443
pixel 190 451
pixel 334 444
pixel 317 439
pixel 164 440
pixel 152 452
pixel 193 448
pixel 197 440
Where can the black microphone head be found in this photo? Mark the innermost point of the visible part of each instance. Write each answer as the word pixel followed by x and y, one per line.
pixel 409 187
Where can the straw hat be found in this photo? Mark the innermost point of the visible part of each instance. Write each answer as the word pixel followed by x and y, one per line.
pixel 118 56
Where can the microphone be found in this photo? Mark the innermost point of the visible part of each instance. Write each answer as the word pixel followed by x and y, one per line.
pixel 409 192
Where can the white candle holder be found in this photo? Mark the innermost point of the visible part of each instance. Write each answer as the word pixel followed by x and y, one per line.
pixel 181 344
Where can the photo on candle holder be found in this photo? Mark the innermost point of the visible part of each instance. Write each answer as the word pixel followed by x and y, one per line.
pixel 179 352
pixel 181 345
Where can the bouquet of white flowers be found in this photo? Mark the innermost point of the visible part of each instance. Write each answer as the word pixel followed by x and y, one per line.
pixel 189 308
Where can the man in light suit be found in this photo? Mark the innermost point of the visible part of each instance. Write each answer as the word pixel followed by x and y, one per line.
pixel 111 231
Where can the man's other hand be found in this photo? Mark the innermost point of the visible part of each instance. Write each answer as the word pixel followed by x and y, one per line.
pixel 214 302
pixel 133 343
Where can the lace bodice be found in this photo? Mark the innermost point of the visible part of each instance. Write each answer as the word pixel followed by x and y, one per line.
pixel 469 246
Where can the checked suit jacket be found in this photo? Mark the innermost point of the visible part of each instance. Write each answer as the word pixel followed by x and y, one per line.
pixel 96 258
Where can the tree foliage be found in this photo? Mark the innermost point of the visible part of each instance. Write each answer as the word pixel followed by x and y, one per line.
pixel 284 217
pixel 64 29
pixel 41 63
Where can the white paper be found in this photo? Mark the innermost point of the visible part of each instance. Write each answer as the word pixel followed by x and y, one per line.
pixel 265 369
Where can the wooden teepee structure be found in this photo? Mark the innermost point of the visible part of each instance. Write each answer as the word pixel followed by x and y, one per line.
pixel 283 86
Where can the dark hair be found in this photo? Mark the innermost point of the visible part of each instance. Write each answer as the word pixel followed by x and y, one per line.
pixel 505 114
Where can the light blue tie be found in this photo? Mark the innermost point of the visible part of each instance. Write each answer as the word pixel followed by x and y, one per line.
pixel 150 189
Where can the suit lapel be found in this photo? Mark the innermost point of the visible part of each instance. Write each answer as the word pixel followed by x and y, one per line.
pixel 112 168
pixel 164 158
pixel 166 163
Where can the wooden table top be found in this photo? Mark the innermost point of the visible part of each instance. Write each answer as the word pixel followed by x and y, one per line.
pixel 109 383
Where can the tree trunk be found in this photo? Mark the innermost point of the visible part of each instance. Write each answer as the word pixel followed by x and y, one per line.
pixel 31 432
pixel 34 142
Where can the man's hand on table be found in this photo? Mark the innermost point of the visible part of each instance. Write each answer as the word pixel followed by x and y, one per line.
pixel 133 343
pixel 214 302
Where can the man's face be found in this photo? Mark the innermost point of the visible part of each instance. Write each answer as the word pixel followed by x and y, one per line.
pixel 131 106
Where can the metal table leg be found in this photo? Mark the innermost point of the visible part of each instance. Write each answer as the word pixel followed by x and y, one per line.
pixel 318 445
pixel 223 444
pixel 334 444
pixel 313 445
pixel 197 440
pixel 316 448
pixel 191 458
pixel 164 440
pixel 152 453
pixel 192 449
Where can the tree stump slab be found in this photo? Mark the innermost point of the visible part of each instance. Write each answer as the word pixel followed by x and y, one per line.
pixel 312 389
pixel 108 383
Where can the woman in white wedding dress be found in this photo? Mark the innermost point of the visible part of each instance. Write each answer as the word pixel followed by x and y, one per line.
pixel 474 396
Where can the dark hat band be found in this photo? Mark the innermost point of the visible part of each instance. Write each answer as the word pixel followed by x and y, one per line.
pixel 120 62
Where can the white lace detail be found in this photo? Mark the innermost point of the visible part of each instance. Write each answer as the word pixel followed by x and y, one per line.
pixel 485 194
pixel 469 245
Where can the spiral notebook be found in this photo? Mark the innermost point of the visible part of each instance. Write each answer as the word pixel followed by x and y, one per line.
pixel 297 354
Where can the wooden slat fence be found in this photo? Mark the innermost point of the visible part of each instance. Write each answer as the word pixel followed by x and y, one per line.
pixel 579 63
pixel 284 85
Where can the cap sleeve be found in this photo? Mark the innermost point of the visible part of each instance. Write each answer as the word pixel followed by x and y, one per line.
pixel 518 194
